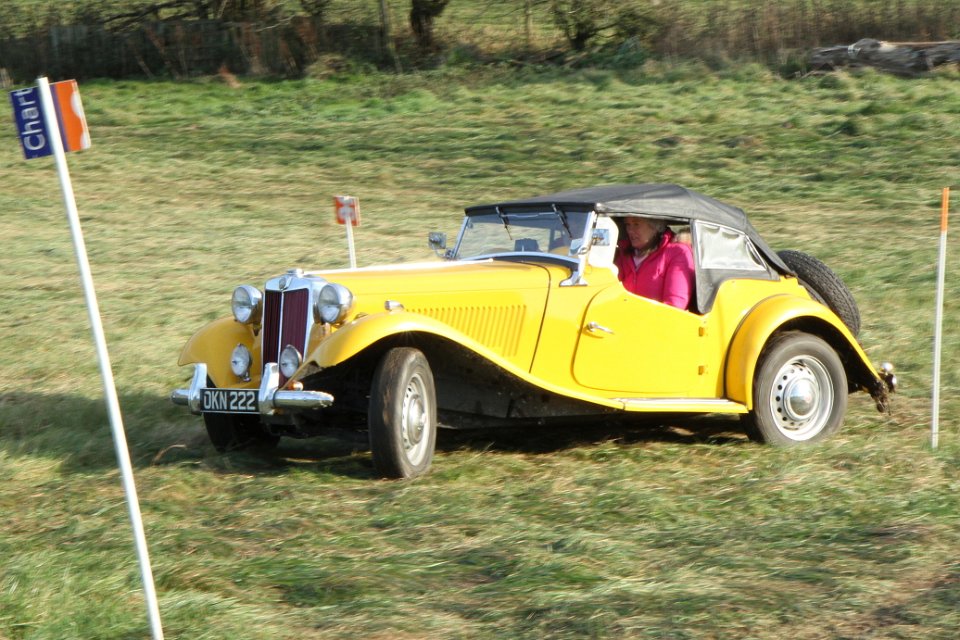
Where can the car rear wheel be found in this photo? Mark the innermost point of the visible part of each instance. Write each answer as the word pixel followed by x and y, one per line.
pixel 234 432
pixel 824 286
pixel 402 415
pixel 799 391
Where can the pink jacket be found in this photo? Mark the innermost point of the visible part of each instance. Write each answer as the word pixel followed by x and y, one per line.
pixel 665 275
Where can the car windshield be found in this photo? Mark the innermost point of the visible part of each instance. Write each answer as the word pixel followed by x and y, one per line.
pixel 546 232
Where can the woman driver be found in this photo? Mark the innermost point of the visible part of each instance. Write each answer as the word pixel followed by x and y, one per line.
pixel 653 265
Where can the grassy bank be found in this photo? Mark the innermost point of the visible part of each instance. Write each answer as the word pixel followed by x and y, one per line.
pixel 606 530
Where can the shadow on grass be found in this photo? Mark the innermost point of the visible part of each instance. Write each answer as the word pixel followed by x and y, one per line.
pixel 76 430
pixel 562 435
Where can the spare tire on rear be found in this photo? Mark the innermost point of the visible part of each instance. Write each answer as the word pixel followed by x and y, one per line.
pixel 824 286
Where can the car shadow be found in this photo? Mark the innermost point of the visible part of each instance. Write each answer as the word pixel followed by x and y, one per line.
pixel 347 452
pixel 560 436
pixel 76 430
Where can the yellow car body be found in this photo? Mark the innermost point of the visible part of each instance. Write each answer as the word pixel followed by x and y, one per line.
pixel 537 330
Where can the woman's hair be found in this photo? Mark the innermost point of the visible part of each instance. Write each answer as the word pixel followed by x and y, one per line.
pixel 658 224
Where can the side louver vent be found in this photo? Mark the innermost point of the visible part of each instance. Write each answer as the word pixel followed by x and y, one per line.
pixel 497 327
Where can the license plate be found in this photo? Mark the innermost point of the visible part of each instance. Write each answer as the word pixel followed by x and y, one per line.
pixel 228 400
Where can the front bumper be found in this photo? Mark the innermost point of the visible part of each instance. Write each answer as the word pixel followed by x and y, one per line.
pixel 269 397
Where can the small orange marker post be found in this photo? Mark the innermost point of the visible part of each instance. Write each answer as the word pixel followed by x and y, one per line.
pixel 938 323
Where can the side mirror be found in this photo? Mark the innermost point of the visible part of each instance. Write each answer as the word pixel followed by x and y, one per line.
pixel 438 242
pixel 601 237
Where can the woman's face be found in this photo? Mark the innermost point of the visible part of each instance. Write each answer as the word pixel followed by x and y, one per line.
pixel 640 231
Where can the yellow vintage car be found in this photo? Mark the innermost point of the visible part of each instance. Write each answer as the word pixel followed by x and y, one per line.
pixel 524 320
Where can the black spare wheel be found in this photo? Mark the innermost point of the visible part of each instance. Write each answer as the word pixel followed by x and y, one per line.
pixel 824 286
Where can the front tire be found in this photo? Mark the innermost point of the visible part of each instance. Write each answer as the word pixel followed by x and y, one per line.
pixel 229 432
pixel 402 414
pixel 799 391
pixel 235 432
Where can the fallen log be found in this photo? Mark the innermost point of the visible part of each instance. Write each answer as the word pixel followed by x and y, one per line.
pixel 909 59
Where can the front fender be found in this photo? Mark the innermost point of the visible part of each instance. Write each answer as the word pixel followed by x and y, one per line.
pixel 213 344
pixel 355 337
pixel 767 317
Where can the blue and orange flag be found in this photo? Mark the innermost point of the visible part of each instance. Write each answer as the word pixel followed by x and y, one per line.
pixel 32 128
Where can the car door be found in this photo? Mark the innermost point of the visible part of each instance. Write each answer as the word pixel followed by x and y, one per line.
pixel 636 347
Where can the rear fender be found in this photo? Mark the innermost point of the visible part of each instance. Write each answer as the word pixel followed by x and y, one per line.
pixel 790 312
pixel 214 343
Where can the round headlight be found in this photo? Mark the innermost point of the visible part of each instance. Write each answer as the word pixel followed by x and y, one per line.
pixel 290 360
pixel 247 304
pixel 333 303
pixel 240 361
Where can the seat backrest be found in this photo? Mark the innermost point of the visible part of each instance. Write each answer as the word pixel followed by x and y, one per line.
pixel 526 244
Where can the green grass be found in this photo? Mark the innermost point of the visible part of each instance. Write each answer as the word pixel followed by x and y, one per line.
pixel 605 530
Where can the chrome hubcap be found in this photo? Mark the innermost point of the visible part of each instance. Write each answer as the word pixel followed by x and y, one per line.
pixel 802 398
pixel 414 420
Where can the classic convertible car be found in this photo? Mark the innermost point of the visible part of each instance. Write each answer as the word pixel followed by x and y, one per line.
pixel 524 320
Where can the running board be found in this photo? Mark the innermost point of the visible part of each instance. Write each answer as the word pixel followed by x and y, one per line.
pixel 682 405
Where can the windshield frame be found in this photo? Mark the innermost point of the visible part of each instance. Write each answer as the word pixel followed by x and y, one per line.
pixel 511 220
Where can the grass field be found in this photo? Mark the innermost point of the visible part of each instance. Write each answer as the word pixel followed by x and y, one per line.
pixel 606 530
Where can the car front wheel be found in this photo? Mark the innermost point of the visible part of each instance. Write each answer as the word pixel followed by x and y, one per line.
pixel 234 432
pixel 402 415
pixel 799 391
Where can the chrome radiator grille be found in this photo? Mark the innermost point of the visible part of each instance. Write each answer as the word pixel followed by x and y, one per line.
pixel 286 316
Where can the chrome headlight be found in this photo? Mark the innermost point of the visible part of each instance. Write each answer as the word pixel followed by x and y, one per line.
pixel 290 360
pixel 240 361
pixel 333 303
pixel 247 304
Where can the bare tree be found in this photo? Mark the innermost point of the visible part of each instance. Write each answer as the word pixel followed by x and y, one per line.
pixel 315 8
pixel 422 15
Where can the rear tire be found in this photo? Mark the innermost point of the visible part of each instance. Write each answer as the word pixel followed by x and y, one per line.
pixel 824 286
pixel 402 414
pixel 799 391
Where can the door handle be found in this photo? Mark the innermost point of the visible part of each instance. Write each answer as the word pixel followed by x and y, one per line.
pixel 593 327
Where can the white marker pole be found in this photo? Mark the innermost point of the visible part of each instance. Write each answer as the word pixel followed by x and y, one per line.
pixel 109 388
pixel 938 322
pixel 348 223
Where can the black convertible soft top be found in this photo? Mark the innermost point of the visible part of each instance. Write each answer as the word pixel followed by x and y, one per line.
pixel 667 201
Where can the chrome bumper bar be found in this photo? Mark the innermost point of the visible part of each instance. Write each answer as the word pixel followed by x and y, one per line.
pixel 269 397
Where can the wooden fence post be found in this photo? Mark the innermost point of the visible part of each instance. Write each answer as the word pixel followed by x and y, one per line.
pixel 528 23
pixel 388 35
